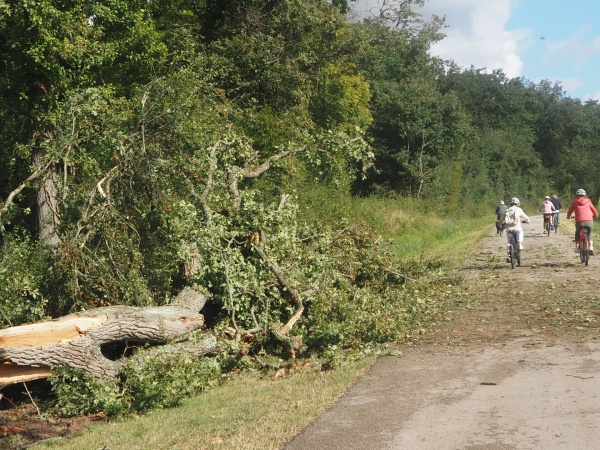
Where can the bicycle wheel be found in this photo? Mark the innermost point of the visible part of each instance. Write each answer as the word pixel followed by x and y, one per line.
pixel 513 250
pixel 555 222
pixel 582 245
pixel 548 227
pixel 586 249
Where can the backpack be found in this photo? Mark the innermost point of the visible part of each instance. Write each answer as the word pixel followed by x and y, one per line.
pixel 510 218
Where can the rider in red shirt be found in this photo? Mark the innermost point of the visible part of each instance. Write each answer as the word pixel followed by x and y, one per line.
pixel 585 213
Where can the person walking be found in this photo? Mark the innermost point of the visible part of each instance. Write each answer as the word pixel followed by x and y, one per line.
pixel 585 213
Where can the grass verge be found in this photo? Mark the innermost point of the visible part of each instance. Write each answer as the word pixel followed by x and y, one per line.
pixel 412 232
pixel 250 411
pixel 410 228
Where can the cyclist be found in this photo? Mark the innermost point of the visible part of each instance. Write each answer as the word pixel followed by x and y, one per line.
pixel 500 210
pixel 585 213
pixel 556 202
pixel 512 219
pixel 547 208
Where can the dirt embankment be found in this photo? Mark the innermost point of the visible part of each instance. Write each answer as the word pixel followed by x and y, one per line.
pixel 514 363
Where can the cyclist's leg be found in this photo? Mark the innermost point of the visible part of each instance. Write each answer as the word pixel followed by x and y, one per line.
pixel 577 231
pixel 590 227
pixel 519 230
pixel 508 236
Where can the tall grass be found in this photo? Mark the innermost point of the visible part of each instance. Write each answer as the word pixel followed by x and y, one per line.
pixel 410 228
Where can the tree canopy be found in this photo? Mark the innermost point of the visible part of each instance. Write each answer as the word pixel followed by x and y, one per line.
pixel 152 145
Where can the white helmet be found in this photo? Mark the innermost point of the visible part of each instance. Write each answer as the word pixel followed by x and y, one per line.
pixel 502 202
pixel 547 197
pixel 580 192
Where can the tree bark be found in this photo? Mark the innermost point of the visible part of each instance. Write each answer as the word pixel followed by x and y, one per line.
pixel 47 204
pixel 29 352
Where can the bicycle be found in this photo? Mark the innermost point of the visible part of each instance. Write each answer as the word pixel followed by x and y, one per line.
pixel 555 220
pixel 584 245
pixel 514 252
pixel 547 222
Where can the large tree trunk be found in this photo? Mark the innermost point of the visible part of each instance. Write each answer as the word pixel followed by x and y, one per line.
pixel 47 204
pixel 30 351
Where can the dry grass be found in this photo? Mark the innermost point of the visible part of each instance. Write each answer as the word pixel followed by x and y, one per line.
pixel 251 411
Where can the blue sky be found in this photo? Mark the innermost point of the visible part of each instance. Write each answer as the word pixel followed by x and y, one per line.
pixel 507 34
pixel 570 50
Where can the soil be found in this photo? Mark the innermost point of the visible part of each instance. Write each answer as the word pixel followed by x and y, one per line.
pixel 512 363
pixel 21 425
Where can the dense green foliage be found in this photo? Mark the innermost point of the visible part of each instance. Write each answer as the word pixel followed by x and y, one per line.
pixel 160 384
pixel 150 145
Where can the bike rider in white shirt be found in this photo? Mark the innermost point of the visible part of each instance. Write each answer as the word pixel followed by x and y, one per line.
pixel 512 219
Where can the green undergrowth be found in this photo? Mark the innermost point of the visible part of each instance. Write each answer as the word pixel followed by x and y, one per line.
pixel 159 383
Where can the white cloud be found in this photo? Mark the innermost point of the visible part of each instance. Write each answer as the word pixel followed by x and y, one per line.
pixel 476 34
pixel 575 48
pixel 592 97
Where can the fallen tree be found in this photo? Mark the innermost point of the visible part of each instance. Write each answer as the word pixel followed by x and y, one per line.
pixel 81 340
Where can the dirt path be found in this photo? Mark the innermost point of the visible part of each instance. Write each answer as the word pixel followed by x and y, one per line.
pixel 513 364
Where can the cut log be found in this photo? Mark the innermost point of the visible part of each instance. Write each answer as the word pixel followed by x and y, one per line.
pixel 77 340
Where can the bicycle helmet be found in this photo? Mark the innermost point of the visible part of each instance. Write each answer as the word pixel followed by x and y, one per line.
pixel 547 197
pixel 514 201
pixel 502 202
pixel 580 192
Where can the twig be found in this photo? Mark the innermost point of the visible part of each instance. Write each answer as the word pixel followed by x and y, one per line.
pixel 209 181
pixel 99 185
pixel 66 158
pixel 230 293
pixel 9 200
pixel 236 172
pixel 32 402
pixel 7 319
pixel 284 198
pixel 401 275
pixel 341 232
pixel 276 270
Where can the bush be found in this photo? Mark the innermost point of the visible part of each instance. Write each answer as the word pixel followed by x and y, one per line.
pixel 24 266
pixel 80 393
pixel 143 384
pixel 165 382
